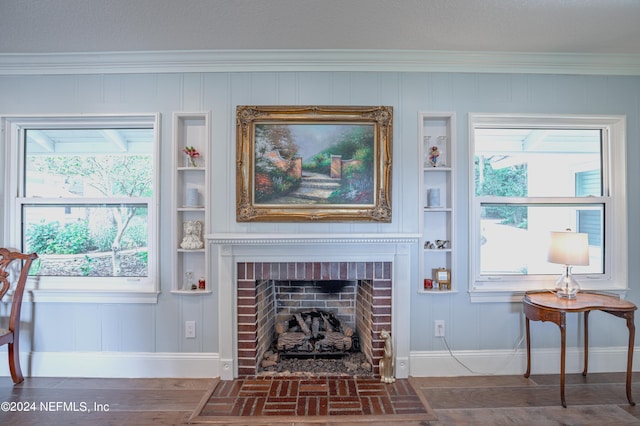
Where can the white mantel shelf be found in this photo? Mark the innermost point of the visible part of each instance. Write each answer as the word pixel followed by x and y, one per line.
pixel 270 239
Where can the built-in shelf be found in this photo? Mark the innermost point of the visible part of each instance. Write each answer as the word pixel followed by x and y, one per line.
pixel 438 209
pixel 191 292
pixel 437 212
pixel 429 169
pixel 190 200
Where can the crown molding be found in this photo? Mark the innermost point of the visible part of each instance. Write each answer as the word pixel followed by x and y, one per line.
pixel 317 60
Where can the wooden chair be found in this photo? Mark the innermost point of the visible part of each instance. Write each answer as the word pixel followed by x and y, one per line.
pixel 12 335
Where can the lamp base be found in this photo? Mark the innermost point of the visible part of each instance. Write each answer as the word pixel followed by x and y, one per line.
pixel 567 287
pixel 566 295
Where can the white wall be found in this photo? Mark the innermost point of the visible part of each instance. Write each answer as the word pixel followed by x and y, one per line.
pixel 470 327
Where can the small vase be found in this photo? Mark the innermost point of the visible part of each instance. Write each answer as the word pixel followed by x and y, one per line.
pixel 425 148
pixel 188 281
pixel 433 197
pixel 190 161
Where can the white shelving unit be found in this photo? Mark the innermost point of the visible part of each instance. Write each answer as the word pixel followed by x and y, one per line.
pixel 437 215
pixel 190 200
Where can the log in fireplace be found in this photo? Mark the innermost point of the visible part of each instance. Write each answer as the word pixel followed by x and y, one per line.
pixel 314 333
pixel 315 341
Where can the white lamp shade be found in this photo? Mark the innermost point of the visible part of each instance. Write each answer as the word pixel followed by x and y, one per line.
pixel 569 248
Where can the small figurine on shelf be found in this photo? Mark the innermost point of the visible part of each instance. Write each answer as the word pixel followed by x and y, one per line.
pixel 191 154
pixel 192 239
pixel 442 244
pixel 202 285
pixel 434 155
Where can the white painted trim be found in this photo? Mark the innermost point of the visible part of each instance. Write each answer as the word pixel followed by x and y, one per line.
pixel 306 239
pixel 91 296
pixel 117 365
pixel 75 289
pixel 273 60
pixel 614 279
pixel 510 362
pixel 421 363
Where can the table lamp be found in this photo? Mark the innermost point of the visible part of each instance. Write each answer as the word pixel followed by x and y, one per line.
pixel 569 249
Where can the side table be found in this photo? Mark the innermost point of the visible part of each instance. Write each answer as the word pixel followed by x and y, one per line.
pixel 546 306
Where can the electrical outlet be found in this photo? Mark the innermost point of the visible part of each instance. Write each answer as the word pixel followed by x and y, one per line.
pixel 439 328
pixel 190 329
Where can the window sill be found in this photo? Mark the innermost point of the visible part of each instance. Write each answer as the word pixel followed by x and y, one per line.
pixel 492 296
pixel 84 296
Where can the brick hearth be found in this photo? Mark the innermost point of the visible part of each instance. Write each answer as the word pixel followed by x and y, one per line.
pixel 374 294
pixel 329 400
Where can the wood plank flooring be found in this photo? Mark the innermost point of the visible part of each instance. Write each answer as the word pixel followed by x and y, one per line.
pixel 479 400
pixel 118 401
pixel 597 399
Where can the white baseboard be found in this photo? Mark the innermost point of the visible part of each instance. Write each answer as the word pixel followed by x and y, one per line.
pixel 420 363
pixel 509 362
pixel 117 364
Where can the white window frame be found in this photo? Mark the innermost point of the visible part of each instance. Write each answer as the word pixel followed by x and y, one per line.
pixel 501 288
pixel 74 289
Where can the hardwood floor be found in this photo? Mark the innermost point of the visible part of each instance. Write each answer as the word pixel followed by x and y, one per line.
pixel 597 399
pixel 118 401
pixel 479 400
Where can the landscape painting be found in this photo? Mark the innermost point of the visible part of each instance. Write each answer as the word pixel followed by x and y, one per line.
pixel 314 163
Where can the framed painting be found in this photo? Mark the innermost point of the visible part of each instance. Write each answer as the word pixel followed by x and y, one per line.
pixel 313 163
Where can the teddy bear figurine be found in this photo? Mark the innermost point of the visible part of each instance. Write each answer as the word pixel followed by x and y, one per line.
pixel 192 235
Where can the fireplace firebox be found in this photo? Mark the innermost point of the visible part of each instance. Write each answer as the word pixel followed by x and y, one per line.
pixel 273 296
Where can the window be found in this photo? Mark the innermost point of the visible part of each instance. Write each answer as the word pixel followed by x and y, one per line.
pixel 531 175
pixel 83 196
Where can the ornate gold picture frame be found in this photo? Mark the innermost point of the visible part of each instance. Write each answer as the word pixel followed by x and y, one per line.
pixel 313 163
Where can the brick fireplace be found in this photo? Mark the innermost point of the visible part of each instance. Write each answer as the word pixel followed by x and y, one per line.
pixel 242 263
pixel 370 307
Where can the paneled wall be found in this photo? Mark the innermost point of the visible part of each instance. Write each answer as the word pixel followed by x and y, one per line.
pixel 158 328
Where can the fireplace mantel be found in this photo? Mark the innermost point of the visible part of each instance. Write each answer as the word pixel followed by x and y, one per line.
pixel 233 248
pixel 303 239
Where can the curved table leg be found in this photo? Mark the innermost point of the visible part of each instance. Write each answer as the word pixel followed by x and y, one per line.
pixel 563 347
pixel 628 315
pixel 586 342
pixel 632 333
pixel 528 372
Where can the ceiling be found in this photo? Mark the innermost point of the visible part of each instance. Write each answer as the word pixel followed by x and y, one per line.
pixel 543 26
